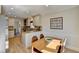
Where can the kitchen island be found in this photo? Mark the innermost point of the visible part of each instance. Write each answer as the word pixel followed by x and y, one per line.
pixel 27 37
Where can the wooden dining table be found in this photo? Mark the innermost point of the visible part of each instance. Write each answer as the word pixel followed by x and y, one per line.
pixel 46 47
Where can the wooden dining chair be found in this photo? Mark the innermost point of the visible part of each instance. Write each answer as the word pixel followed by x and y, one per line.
pixel 41 36
pixel 34 38
pixel 62 46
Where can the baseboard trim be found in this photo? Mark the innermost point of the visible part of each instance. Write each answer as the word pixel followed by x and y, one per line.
pixel 73 48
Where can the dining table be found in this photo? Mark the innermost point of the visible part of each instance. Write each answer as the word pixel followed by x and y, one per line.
pixel 44 46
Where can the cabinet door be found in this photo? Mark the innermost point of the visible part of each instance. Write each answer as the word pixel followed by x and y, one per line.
pixel 11 22
pixel 11 27
pixel 37 21
pixel 11 34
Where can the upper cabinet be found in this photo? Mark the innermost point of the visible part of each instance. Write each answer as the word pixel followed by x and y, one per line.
pixel 32 23
pixel 28 21
pixel 11 22
pixel 37 20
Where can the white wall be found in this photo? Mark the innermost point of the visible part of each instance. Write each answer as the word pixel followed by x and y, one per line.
pixel 70 26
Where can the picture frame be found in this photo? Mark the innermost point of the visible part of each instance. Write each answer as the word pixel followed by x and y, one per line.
pixel 56 23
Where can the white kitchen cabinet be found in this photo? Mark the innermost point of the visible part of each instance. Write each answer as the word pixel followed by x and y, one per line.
pixel 28 21
pixel 11 34
pixel 37 21
pixel 11 23
pixel 27 38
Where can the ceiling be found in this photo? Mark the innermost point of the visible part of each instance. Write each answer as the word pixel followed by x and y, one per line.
pixel 23 11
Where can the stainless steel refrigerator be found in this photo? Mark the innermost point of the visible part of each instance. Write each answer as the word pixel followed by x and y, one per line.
pixel 3 33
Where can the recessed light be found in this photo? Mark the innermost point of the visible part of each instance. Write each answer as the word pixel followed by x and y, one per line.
pixel 12 8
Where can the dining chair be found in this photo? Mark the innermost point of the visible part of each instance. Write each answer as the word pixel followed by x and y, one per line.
pixel 65 40
pixel 34 38
pixel 63 45
pixel 41 36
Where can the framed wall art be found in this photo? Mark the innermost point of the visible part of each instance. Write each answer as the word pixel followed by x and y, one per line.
pixel 56 23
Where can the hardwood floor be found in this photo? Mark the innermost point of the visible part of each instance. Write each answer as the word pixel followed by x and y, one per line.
pixel 16 46
pixel 68 50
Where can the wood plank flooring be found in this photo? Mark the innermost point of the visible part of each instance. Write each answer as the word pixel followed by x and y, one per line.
pixel 16 46
pixel 68 50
